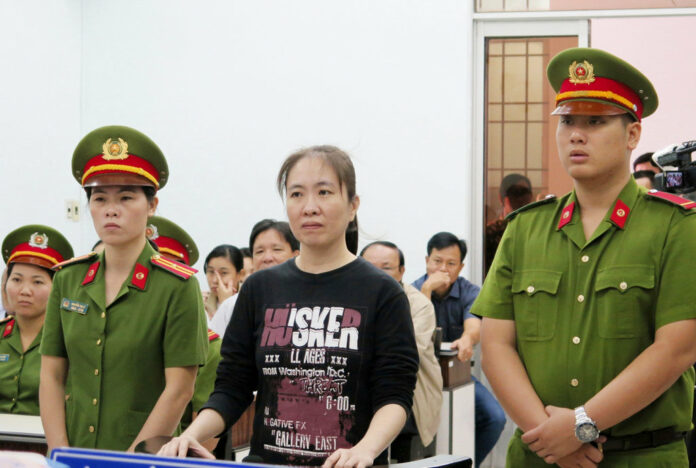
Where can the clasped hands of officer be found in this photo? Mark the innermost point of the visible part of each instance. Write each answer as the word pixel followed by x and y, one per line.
pixel 554 440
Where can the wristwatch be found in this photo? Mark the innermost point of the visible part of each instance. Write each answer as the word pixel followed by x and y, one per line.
pixel 585 428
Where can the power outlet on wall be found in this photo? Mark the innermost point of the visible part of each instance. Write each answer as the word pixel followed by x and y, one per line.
pixel 72 210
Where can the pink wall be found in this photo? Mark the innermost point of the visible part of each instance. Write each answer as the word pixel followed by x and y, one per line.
pixel 664 49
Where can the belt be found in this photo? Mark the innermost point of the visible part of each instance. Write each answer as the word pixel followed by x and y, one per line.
pixel 640 441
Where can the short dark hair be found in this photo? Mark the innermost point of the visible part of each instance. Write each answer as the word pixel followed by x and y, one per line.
pixel 149 192
pixel 511 180
pixel 282 227
pixel 442 240
pixel 519 196
pixel 230 252
pixel 643 158
pixel 246 253
pixel 10 267
pixel 388 244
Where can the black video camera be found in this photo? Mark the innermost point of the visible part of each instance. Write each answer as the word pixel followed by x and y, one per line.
pixel 683 178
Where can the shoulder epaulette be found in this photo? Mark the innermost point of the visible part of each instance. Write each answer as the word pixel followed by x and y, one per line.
pixel 212 336
pixel 6 319
pixel 74 260
pixel 175 268
pixel 529 206
pixel 673 199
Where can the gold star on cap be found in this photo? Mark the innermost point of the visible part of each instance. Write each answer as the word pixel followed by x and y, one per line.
pixel 581 73
pixel 115 149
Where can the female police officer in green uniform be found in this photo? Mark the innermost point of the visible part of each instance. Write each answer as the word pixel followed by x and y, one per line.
pixel 30 252
pixel 175 243
pixel 125 329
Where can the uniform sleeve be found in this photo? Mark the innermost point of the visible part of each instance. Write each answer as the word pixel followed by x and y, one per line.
pixel 186 333
pixel 237 376
pixel 393 374
pixel 676 296
pixel 52 341
pixel 495 298
pixel 205 380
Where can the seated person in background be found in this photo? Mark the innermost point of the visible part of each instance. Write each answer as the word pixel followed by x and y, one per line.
pixel 248 265
pixel 427 397
pixel 272 243
pixel 175 243
pixel 30 252
pixel 222 267
pixel 452 296
pixel 515 192
pixel 644 170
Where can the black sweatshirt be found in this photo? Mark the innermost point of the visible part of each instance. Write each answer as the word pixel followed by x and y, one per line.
pixel 325 351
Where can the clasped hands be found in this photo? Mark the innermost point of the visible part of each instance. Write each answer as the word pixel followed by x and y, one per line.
pixel 554 441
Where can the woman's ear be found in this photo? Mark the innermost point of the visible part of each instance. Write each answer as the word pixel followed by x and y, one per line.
pixel 355 204
pixel 153 207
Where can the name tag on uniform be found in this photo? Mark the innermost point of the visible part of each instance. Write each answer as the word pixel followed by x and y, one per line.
pixel 74 306
pixel 4 357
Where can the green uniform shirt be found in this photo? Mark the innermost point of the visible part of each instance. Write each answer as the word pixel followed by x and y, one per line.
pixel 19 371
pixel 205 379
pixel 117 354
pixel 584 310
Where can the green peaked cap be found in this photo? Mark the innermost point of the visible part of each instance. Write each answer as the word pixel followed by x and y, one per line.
pixel 119 151
pixel 602 65
pixel 36 244
pixel 160 230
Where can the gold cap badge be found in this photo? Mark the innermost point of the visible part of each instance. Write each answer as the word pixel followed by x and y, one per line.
pixel 581 73
pixel 113 149
pixel 39 240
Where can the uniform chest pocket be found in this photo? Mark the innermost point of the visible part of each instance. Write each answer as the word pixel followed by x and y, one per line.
pixel 624 296
pixel 534 297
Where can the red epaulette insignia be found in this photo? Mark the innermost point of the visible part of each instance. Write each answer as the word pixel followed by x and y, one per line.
pixel 566 215
pixel 685 203
pixel 212 335
pixel 73 260
pixel 139 278
pixel 175 268
pixel 8 327
pixel 91 273
pixel 619 214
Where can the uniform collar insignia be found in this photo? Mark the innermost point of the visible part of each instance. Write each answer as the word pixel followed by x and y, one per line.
pixel 566 215
pixel 91 273
pixel 139 278
pixel 9 326
pixel 619 214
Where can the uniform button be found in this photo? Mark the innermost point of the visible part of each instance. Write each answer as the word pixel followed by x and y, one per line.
pixel 21 357
pixel 623 285
pixel 96 371
pixel 98 341
pixel 576 340
pixel 16 377
pixel 13 400
pixel 585 259
pixel 574 382
pixel 91 428
pixel 530 289
pixel 103 315
pixel 94 402
pixel 581 298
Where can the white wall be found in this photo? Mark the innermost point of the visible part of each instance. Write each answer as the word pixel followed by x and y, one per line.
pixel 228 89
pixel 39 112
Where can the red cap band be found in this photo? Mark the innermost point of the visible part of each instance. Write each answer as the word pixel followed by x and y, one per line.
pixel 130 165
pixel 170 246
pixel 602 89
pixel 51 256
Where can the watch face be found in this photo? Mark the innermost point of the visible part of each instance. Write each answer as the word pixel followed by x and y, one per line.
pixel 586 432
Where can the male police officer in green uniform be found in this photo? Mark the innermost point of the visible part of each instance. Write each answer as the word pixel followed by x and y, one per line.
pixel 589 307
pixel 30 252
pixel 125 329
